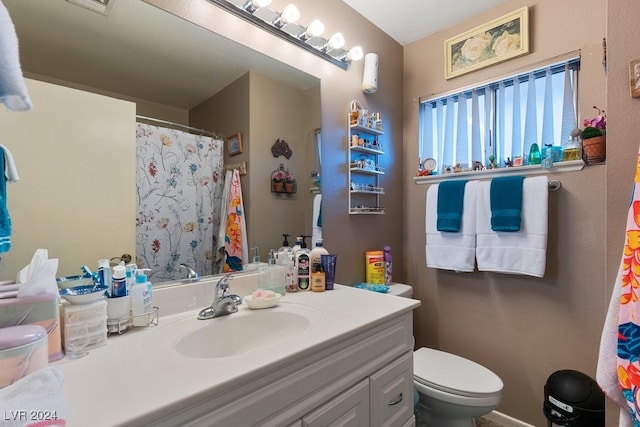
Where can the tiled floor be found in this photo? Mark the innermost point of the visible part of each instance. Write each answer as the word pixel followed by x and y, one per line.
pixel 483 422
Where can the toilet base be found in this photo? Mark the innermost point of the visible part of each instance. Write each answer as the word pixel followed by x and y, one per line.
pixel 428 416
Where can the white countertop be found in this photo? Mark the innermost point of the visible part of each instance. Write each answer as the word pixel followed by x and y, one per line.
pixel 138 376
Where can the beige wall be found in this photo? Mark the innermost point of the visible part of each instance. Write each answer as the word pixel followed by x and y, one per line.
pixel 70 140
pixel 522 328
pixel 265 110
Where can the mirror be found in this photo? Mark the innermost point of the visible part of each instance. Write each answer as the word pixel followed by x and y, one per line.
pixel 169 67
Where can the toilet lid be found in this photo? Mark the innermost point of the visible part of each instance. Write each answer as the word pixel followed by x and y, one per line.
pixel 454 374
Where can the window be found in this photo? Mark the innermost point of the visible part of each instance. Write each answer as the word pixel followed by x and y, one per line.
pixel 502 118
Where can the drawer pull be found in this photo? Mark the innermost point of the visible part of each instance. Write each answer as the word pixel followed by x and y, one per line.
pixel 395 402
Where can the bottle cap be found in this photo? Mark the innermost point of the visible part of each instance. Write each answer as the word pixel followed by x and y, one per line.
pixel 140 276
pixel 119 272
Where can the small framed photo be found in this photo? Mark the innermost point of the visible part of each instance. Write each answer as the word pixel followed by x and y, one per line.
pixel 634 78
pixel 234 144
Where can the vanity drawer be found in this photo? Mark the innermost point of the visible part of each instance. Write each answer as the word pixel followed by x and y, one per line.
pixel 391 391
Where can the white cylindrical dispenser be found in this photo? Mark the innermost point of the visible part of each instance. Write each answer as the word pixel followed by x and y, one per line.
pixel 370 75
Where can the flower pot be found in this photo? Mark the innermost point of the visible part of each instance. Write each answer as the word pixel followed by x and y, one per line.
pixel 277 186
pixel 595 149
pixel 288 187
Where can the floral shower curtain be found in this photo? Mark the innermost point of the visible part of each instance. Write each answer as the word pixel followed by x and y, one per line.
pixel 179 181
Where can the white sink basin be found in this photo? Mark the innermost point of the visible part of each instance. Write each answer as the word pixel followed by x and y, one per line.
pixel 236 334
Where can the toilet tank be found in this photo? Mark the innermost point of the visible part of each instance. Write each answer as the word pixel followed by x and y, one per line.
pixel 401 290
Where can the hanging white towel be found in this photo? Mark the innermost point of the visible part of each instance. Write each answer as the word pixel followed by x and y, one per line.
pixel 316 230
pixel 520 252
pixel 13 90
pixel 452 250
pixel 10 169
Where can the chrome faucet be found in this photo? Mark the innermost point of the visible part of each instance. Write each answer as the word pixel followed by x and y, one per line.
pixel 223 302
pixel 192 276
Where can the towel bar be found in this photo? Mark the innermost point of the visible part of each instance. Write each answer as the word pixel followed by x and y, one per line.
pixel 554 185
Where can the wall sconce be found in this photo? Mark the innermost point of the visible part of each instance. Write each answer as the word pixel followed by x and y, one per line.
pixel 284 25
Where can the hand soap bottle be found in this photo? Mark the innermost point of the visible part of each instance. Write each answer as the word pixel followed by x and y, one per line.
pixel 141 298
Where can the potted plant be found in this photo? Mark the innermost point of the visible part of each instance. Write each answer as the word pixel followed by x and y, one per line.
pixel 288 182
pixel 278 181
pixel 594 138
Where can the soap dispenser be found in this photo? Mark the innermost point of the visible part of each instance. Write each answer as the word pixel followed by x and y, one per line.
pixel 141 298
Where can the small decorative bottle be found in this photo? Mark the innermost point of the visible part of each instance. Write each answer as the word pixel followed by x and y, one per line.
pixel 387 265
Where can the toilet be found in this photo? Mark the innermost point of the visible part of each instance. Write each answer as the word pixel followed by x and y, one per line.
pixel 453 391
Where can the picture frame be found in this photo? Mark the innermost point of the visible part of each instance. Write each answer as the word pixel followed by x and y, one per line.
pixel 496 41
pixel 234 144
pixel 634 78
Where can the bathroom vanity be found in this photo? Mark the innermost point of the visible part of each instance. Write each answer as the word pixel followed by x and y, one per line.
pixel 314 360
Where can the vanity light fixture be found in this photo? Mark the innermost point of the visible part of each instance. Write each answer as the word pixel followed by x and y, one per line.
pixel 100 6
pixel 284 25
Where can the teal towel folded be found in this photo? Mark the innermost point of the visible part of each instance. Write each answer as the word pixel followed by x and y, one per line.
pixel 506 203
pixel 450 202
pixel 383 289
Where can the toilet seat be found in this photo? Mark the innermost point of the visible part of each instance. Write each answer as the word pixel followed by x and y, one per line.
pixel 453 374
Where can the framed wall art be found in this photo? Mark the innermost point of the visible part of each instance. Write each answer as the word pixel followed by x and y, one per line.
pixel 234 144
pixel 496 41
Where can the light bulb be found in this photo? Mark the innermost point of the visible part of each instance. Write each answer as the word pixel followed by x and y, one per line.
pixel 336 41
pixel 290 14
pixel 315 29
pixel 355 54
pixel 260 3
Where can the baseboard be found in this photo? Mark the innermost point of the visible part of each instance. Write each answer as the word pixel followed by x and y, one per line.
pixel 505 420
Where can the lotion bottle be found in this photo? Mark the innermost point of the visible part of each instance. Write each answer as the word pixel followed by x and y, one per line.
pixel 141 298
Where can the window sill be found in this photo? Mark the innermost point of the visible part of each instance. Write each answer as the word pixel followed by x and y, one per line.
pixel 558 167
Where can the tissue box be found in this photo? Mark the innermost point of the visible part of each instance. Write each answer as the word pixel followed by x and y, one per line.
pixel 23 350
pixel 35 310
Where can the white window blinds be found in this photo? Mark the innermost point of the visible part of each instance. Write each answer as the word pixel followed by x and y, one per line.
pixel 502 118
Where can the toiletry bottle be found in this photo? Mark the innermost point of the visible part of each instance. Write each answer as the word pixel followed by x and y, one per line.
pixel 141 298
pixel 119 282
pixel 387 265
pixel 130 271
pixel 291 275
pixel 314 257
pixel 318 283
pixel 104 274
pixel 297 246
pixel 303 269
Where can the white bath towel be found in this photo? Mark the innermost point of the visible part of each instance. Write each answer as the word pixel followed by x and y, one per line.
pixel 316 225
pixel 518 252
pixel 34 400
pixel 13 90
pixel 10 169
pixel 452 250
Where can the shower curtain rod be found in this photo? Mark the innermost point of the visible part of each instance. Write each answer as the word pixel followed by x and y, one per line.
pixel 214 135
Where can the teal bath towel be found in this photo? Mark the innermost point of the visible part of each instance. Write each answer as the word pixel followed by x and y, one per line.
pixel 506 203
pixel 450 202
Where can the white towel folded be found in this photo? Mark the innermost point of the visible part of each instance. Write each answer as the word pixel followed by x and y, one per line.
pixel 33 397
pixel 13 90
pixel 452 250
pixel 519 252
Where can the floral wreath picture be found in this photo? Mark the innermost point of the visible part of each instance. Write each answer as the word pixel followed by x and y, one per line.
pixel 501 39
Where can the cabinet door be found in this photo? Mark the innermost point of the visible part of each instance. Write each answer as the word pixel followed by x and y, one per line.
pixel 392 393
pixel 349 409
